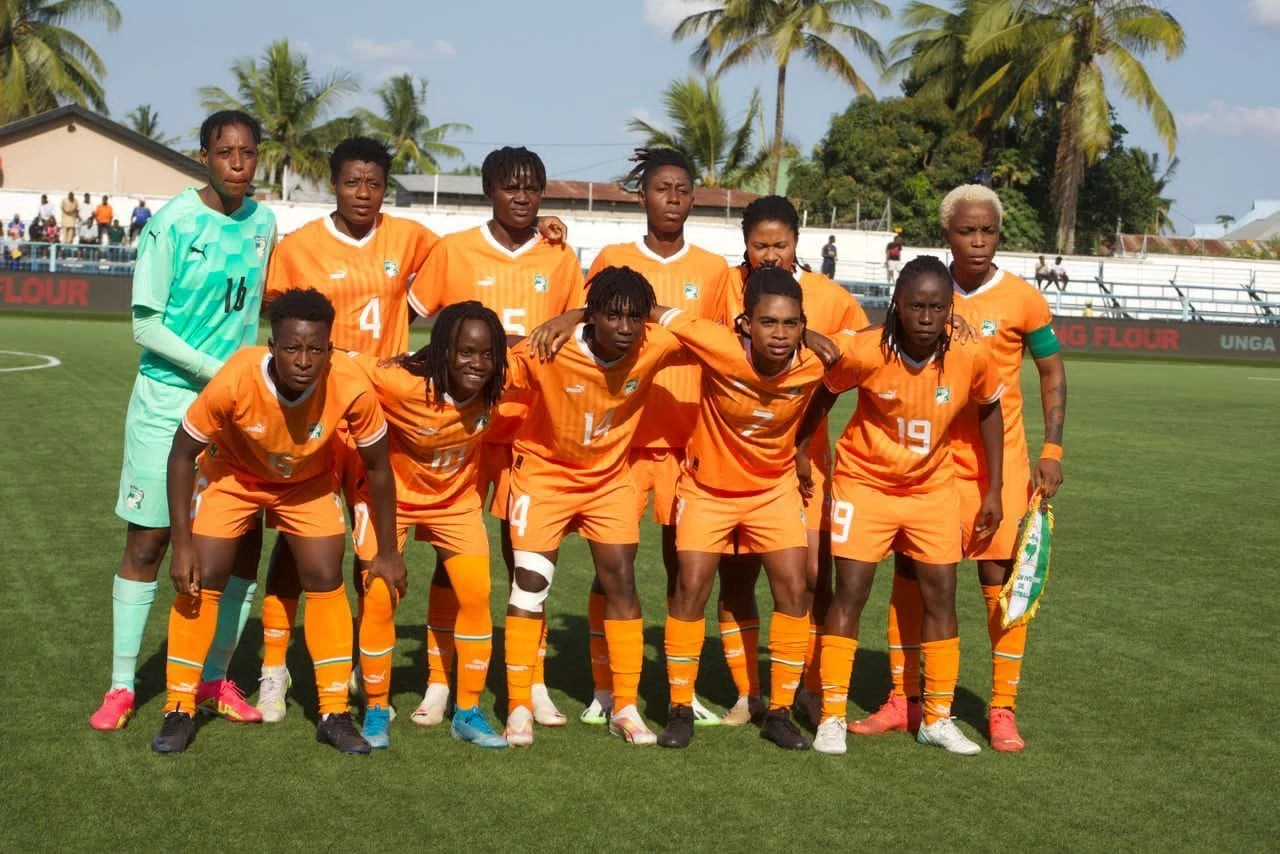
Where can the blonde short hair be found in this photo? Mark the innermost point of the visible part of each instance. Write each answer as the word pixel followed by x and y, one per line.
pixel 972 194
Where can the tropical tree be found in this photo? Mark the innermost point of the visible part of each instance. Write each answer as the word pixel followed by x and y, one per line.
pixel 291 103
pixel 1225 220
pixel 146 121
pixel 43 63
pixel 721 153
pixel 1066 45
pixel 416 145
pixel 776 31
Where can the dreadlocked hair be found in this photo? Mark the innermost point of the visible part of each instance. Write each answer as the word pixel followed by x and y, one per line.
pixel 650 160
pixel 506 163
pixel 620 289
pixel 768 281
pixel 432 361
pixel 913 271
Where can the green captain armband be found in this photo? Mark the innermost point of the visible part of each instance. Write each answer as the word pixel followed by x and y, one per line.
pixel 1043 342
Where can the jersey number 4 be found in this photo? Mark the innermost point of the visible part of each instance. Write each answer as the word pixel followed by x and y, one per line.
pixel 371 318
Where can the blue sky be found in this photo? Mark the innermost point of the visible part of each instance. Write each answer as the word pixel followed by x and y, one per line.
pixel 564 76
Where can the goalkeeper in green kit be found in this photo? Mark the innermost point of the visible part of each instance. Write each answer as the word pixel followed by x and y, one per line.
pixel 197 292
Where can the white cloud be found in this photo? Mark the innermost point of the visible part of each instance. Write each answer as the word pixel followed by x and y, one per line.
pixel 1234 121
pixel 367 50
pixel 1265 12
pixel 665 14
pixel 444 48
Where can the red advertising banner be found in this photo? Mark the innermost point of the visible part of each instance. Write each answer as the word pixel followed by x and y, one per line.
pixel 1163 338
pixel 64 293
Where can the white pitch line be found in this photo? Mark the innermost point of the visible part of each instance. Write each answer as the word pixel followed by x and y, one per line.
pixel 1266 379
pixel 49 361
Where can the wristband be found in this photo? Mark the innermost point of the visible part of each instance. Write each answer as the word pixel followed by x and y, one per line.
pixel 1051 451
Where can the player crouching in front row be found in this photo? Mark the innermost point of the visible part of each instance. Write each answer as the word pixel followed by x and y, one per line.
pixel 894 486
pixel 260 433
pixel 438 403
pixel 570 472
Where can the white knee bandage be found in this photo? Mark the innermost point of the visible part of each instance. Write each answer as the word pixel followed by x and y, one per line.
pixel 530 600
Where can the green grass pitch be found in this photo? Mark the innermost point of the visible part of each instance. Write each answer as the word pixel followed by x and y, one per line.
pixel 1147 702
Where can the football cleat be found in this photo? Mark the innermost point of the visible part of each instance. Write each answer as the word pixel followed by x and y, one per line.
pixel 175 733
pixel 273 686
pixel 745 711
pixel 945 734
pixel 628 724
pixel 435 703
pixel 223 697
pixel 597 713
pixel 377 727
pixel 519 732
pixel 679 729
pixel 544 710
pixel 782 731
pixel 1003 731
pixel 831 737
pixel 115 711
pixel 471 725
pixel 339 730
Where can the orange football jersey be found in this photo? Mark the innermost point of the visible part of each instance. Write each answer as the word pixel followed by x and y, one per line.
pixel 828 310
pixel 525 287
pixel 745 436
pixel 693 280
pixel 584 412
pixel 258 436
pixel 434 447
pixel 1003 312
pixel 367 280
pixel 898 437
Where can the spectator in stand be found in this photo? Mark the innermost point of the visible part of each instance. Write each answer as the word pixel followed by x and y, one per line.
pixel 1060 277
pixel 16 230
pixel 103 214
pixel 89 230
pixel 138 219
pixel 88 204
pixel 46 209
pixel 70 218
pixel 115 233
pixel 893 257
pixel 35 232
pixel 1044 275
pixel 829 258
pixel 51 234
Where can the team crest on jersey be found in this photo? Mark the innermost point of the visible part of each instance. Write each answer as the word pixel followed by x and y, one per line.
pixel 942 394
pixel 260 245
pixel 391 267
pixel 988 328
pixel 540 284
pixel 630 385
pixel 690 290
pixel 315 430
pixel 134 499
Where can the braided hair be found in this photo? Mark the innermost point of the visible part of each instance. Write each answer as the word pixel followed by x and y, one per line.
pixel 650 160
pixel 507 163
pixel 913 271
pixel 432 361
pixel 620 289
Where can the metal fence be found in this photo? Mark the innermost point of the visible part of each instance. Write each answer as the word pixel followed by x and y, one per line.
pixel 102 259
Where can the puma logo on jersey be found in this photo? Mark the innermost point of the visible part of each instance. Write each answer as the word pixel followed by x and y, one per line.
pixel 575 389
pixel 256 429
pixel 486 282
pixel 887 395
pixel 197 250
pixel 338 274
pixel 427 431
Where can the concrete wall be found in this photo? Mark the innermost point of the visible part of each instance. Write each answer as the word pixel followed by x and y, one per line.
pixel 74 156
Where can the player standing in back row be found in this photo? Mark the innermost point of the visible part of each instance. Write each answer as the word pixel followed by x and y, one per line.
pixel 692 279
pixel 363 261
pixel 1011 315
pixel 197 288
pixel 509 268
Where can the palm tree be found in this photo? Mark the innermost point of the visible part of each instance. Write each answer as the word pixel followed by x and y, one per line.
pixel 43 63
pixel 776 30
pixel 1068 42
pixel 1149 162
pixel 416 145
pixel 1225 220
pixel 146 121
pixel 721 155
pixel 291 103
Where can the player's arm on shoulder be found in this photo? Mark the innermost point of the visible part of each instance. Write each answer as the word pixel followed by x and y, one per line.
pixel 547 338
pixel 426 291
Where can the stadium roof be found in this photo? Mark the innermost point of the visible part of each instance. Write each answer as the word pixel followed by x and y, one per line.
pixel 1259 229
pixel 74 112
